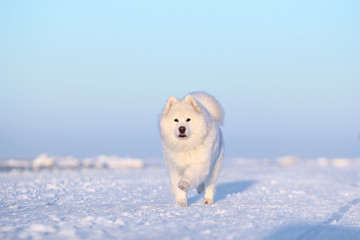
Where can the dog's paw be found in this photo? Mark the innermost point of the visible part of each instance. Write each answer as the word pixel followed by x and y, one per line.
pixel 181 204
pixel 200 188
pixel 183 185
pixel 208 201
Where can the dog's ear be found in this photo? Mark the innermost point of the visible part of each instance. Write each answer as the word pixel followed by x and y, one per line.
pixel 172 100
pixel 189 99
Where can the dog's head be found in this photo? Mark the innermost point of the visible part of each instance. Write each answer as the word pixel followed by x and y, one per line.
pixel 183 122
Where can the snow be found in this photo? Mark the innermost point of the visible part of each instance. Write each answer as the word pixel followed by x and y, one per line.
pixel 68 162
pixel 101 198
pixel 43 161
pixel 287 160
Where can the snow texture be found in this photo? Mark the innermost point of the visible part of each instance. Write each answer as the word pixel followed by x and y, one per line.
pixel 285 198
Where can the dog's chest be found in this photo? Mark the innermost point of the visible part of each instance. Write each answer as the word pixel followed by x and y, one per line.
pixel 185 159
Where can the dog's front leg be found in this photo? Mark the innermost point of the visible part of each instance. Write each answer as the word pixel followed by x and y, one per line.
pixel 180 196
pixel 193 176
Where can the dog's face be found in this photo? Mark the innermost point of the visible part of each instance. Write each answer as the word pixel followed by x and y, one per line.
pixel 183 122
pixel 182 115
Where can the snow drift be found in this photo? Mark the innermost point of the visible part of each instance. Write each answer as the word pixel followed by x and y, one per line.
pixel 51 162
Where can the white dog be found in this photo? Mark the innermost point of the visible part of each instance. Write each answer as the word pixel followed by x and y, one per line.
pixel 192 144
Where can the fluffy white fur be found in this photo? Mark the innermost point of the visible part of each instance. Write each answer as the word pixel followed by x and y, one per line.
pixel 192 144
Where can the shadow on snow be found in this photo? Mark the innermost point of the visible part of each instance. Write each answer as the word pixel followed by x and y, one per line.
pixel 224 189
pixel 325 230
pixel 314 232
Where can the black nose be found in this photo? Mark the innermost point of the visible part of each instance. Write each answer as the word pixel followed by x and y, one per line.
pixel 182 129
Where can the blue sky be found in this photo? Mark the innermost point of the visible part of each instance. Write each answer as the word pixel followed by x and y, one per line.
pixel 85 78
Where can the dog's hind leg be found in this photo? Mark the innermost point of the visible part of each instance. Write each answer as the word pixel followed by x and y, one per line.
pixel 200 188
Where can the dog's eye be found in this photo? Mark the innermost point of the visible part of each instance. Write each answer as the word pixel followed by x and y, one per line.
pixel 188 120
pixel 176 120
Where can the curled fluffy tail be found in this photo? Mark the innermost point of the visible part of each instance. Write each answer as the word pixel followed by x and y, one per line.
pixel 211 104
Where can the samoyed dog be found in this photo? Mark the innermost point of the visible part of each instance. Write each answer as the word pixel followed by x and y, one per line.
pixel 192 144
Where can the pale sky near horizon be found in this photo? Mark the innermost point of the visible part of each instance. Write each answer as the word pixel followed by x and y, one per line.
pixel 84 78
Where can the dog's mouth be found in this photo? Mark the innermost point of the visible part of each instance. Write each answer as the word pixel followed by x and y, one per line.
pixel 182 135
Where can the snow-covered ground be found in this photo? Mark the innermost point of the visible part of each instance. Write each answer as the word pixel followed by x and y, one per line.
pixel 117 198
